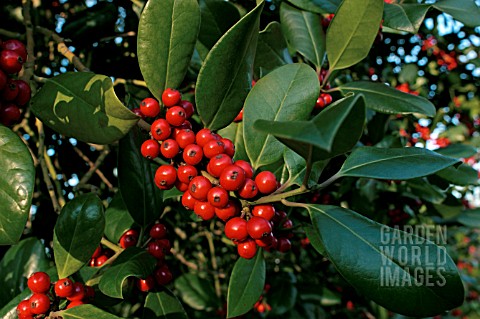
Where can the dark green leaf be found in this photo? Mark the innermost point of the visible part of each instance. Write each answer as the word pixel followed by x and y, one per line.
pixel 234 132
pixel 318 6
pixel 144 200
pixel 426 191
pixel 77 233
pixel 384 99
pixel 167 33
pixel 470 218
pixel 132 262
pixel 17 179
pixel 295 166
pixel 395 269
pixel 18 263
pixel 117 219
pixel 283 294
pixel 286 94
pixel 333 131
pixel 226 74
pixel 304 33
pixel 394 163
pixel 163 305
pixel 315 240
pixel 466 12
pixel 405 17
pixel 462 175
pixel 352 32
pixel 84 312
pixel 246 284
pixel 83 105
pixel 272 51
pixel 457 150
pixel 196 292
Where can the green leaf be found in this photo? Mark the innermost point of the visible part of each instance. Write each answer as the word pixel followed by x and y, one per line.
pixel 304 33
pixel 394 163
pixel 333 131
pixel 272 51
pixel 84 106
pixel 234 132
pixel 163 304
pixel 167 33
pixel 405 17
pixel 85 311
pixel 18 263
pixel 134 262
pixel 470 218
pixel 317 6
pixel 426 191
pixel 246 284
pixel 144 200
pixel 17 180
pixel 77 233
pixel 295 166
pixel 117 219
pixel 283 294
pixel 466 12
pixel 315 240
pixel 394 268
pixel 352 32
pixel 286 94
pixel 463 175
pixel 226 74
pixel 384 99
pixel 457 150
pixel 196 292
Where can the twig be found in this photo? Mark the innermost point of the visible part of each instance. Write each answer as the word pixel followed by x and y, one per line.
pixel 213 258
pixel 91 164
pixel 182 259
pixel 11 34
pixel 27 21
pixel 94 168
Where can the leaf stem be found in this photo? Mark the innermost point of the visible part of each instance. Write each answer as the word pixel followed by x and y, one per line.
pixel 329 181
pixel 278 197
pixel 112 246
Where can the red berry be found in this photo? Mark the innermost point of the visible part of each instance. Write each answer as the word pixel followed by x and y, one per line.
pixel 156 249
pixel 199 187
pixel 9 114
pixel 266 211
pixel 78 292
pixel 265 241
pixel 129 238
pixel 150 149
pixel 75 303
pixel 204 136
pixel 176 116
pixel 39 282
pixel 171 97
pixel 150 107
pixel 39 303
pixel 10 61
pixel 100 260
pixel 185 173
pixel 283 245
pixel 10 91
pixel 160 129
pixel 146 284
pixel 192 154
pixel 163 275
pixel 249 189
pixel 204 210
pixel 236 229
pixel 239 116
pixel 188 107
pixel 217 164
pixel 185 138
pixel 185 126
pixel 188 201
pixel 158 231
pixel 258 227
pixel 218 197
pixel 247 248
pixel 23 309
pixel 229 146
pixel 17 46
pixel 169 148
pixel 97 252
pixel 165 177
pixel 327 98
pixel 3 80
pixel 266 182
pixel 247 167
pixel 63 287
pixel 181 186
pixel 232 178
pixel 213 148
pixel 138 112
pixel 280 216
pixel 320 103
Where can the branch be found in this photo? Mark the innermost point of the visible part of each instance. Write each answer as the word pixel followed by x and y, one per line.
pixel 29 65
pixel 95 167
pixel 92 165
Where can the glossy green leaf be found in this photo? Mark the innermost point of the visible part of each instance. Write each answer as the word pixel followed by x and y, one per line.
pixel 318 6
pixel 18 263
pixel 117 218
pixel 426 191
pixel 466 12
pixel 226 74
pixel 144 200
pixel 315 239
pixel 304 33
pixel 77 233
pixel 164 305
pixel 167 33
pixel 458 150
pixel 394 268
pixel 132 262
pixel 17 179
pixel 84 106
pixel 283 294
pixel 405 17
pixel 85 311
pixel 394 163
pixel 286 94
pixel 352 32
pixel 272 51
pixel 234 132
pixel 196 292
pixel 463 175
pixel 470 218
pixel 333 131
pixel 246 284
pixel 384 99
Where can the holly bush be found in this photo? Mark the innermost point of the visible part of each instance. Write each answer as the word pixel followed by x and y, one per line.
pixel 240 159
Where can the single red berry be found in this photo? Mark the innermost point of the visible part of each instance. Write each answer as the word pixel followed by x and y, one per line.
pixel 150 107
pixel 188 201
pixel 39 303
pixel 146 284
pixel 39 282
pixel 17 46
pixel 218 197
pixel 229 146
pixel 10 91
pixel 3 80
pixel 213 148
pixel 150 149
pixel 204 136
pixel 239 116
pixel 100 260
pixel 283 245
pixel 75 303
pixel 265 241
pixel 327 98
pixel 249 189
pixel 185 173
pixel 138 112
pixel 236 229
pixel 163 275
pixel 97 252
pixel 199 187
pixel 176 116
pixel 258 227
pixel 266 182
pixel 165 177
pixel 165 243
pixel 320 103
pixel 9 114
pixel 217 164
pixel 247 248
pixel 188 107
pixel 63 287
pixel 10 61
pixel 247 167
pixel 128 240
pixel 89 293
pixel 78 292
pixel 23 309
pixel 232 178
pixel 185 138
pixel 230 210
pixel 279 217
pixel 192 154
pixel 158 231
pixel 204 210
pixel 169 148
pixel 156 249
pixel 177 129
pixel 160 129
pixel 181 186
pixel 266 211
pixel 171 97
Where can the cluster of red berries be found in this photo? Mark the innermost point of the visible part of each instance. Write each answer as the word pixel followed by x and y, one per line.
pixel 202 167
pixel 324 99
pixel 14 93
pixel 45 299
pixel 449 60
